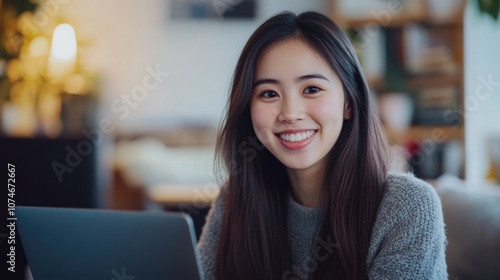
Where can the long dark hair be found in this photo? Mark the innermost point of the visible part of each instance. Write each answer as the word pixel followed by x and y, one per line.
pixel 254 240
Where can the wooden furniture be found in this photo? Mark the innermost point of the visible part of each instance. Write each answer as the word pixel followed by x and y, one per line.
pixel 194 200
pixel 437 88
pixel 187 195
pixel 130 194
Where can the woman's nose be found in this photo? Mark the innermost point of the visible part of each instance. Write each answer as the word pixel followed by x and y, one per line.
pixel 291 110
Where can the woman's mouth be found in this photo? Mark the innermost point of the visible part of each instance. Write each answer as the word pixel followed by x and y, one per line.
pixel 296 137
pixel 296 140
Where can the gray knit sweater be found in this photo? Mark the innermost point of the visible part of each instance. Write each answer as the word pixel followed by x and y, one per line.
pixel 408 239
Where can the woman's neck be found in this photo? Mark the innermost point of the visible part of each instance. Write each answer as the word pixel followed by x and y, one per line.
pixel 306 186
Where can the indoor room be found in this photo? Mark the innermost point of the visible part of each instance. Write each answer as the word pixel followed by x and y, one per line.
pixel 140 108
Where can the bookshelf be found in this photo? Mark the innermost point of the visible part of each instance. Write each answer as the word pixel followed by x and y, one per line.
pixel 421 57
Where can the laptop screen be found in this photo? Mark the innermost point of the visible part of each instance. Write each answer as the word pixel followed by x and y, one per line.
pixel 64 243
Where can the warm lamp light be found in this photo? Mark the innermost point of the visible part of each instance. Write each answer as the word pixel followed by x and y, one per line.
pixel 64 42
pixel 62 53
pixel 39 47
pixel 76 84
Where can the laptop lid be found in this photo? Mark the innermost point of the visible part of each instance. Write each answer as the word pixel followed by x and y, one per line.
pixel 65 243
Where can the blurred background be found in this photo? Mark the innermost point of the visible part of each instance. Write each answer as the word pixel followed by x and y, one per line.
pixel 116 104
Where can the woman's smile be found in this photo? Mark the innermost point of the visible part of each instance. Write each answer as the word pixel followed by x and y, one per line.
pixel 296 139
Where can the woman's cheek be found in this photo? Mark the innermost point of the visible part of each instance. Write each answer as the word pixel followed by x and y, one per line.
pixel 329 109
pixel 262 120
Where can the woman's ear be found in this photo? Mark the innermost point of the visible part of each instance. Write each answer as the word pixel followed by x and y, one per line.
pixel 347 111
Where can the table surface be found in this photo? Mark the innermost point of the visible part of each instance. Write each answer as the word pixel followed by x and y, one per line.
pixel 175 194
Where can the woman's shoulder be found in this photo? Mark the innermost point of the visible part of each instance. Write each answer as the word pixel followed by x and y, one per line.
pixel 406 191
pixel 410 199
pixel 409 223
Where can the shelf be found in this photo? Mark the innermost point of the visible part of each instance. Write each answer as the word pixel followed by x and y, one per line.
pixel 433 80
pixel 436 134
pixel 399 21
pixel 420 81
pixel 419 53
pixel 394 21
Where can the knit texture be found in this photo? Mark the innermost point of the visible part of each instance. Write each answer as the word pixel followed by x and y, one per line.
pixel 408 239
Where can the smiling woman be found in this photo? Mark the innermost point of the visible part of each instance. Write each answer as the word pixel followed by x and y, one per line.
pixel 316 199
pixel 297 111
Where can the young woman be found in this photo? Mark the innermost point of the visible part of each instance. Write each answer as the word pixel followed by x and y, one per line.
pixel 308 193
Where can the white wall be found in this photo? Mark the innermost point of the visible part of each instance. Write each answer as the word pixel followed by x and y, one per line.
pixel 121 38
pixel 482 102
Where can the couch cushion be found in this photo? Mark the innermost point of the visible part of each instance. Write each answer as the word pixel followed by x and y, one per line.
pixel 472 218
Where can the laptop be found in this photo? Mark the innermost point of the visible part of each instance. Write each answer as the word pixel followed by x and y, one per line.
pixel 66 243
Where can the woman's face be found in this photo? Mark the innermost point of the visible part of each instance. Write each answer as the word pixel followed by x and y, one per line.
pixel 297 105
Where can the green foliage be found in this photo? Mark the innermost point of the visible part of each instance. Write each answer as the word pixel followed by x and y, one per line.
pixel 489 7
pixel 11 39
pixel 20 5
pixel 9 11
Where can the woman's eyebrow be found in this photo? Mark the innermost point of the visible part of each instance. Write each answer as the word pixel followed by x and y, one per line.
pixel 265 81
pixel 311 76
pixel 299 79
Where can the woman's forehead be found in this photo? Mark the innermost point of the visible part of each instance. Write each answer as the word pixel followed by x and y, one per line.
pixel 290 59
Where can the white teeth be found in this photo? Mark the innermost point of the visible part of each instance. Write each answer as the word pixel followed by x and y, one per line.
pixel 297 137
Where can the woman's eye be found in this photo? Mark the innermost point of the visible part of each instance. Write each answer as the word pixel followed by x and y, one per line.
pixel 312 89
pixel 269 94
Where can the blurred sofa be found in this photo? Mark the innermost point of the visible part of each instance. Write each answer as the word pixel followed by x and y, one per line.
pixel 472 218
